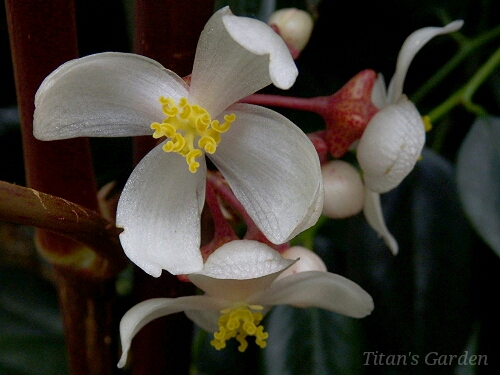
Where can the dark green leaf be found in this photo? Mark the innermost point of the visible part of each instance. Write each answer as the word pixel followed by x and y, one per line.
pixel 478 176
pixel 32 355
pixel 312 341
pixel 31 337
pixel 424 295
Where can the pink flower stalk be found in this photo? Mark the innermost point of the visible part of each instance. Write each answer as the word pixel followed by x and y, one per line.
pixel 346 113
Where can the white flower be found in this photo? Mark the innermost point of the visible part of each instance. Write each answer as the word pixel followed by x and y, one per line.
pixel 393 139
pixel 270 164
pixel 239 281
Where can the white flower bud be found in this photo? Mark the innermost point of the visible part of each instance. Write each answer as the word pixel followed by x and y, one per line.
pixel 309 261
pixel 294 25
pixel 344 190
pixel 391 145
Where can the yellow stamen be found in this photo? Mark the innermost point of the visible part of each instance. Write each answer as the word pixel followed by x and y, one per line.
pixel 188 125
pixel 239 322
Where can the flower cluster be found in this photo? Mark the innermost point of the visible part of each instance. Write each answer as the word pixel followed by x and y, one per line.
pixel 390 142
pixel 269 164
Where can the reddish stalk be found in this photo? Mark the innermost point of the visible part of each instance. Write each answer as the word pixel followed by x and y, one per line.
pixel 223 231
pixel 168 33
pixel 346 113
pixel 317 105
pixel 221 187
pixel 42 37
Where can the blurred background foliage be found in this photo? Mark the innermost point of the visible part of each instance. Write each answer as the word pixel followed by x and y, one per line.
pixel 437 295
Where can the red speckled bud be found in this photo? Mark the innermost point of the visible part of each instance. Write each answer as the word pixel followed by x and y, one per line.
pixel 348 112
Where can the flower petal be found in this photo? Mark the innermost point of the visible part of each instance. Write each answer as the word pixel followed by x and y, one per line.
pixel 274 171
pixel 391 145
pixel 410 48
pixel 238 269
pixel 205 319
pixel 379 92
pixel 307 260
pixel 235 57
pixel 160 210
pixel 318 289
pixel 103 95
pixel 146 311
pixel 244 259
pixel 374 217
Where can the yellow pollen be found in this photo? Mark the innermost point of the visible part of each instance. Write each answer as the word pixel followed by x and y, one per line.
pixel 239 322
pixel 189 129
pixel 427 123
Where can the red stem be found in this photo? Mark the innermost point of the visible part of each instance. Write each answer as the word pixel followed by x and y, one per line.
pixel 223 232
pixel 42 37
pixel 317 105
pixel 253 232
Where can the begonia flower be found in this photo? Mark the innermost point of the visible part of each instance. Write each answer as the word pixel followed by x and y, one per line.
pixel 239 281
pixel 395 136
pixel 269 163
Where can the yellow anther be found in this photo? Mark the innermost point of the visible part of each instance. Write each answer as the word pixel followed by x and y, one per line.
pixel 224 127
pixel 183 102
pixel 156 126
pixel 188 126
pixel 170 112
pixel 208 144
pixel 427 123
pixel 239 322
pixel 203 122
pixel 186 111
pixel 175 145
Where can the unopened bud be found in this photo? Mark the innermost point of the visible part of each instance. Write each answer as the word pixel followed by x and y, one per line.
pixel 344 190
pixel 294 25
pixel 309 261
pixel 391 145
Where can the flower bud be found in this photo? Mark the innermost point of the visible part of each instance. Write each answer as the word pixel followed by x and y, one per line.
pixel 294 25
pixel 391 145
pixel 344 190
pixel 309 261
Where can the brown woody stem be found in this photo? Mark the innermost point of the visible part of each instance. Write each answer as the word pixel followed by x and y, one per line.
pixel 27 206
pixel 88 307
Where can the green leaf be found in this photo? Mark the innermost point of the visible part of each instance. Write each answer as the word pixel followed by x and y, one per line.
pixel 478 177
pixel 31 335
pixel 312 341
pixel 32 355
